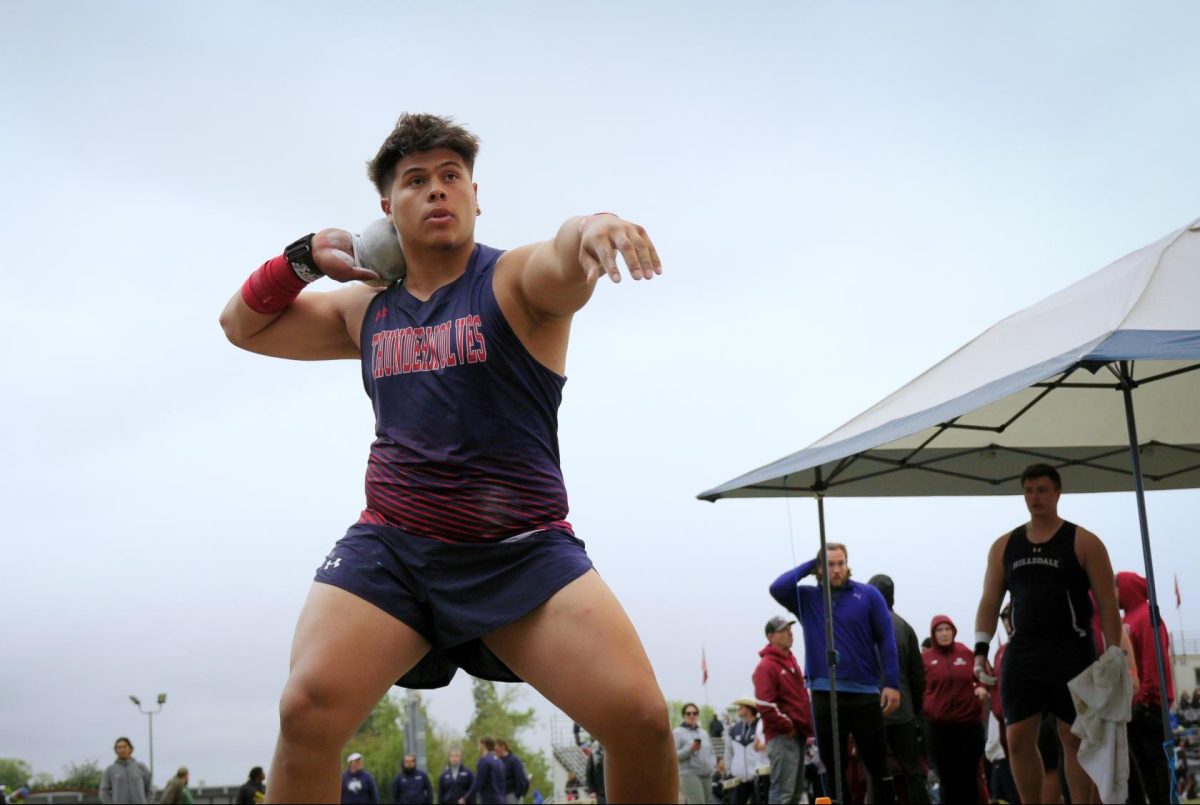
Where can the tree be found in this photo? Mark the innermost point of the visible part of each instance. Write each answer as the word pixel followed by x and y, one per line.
pixel 84 776
pixel 380 740
pixel 14 772
pixel 496 715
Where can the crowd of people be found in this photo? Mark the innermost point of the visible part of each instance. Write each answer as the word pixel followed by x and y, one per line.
pixel 945 719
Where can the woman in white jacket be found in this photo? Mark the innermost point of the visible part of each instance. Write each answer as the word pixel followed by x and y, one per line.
pixel 745 754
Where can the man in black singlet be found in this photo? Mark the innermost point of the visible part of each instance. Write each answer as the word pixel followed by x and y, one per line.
pixel 1048 565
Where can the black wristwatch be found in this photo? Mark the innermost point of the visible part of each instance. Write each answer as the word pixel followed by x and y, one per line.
pixel 299 255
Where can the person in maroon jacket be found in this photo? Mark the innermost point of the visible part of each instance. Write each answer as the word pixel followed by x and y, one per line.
pixel 953 713
pixel 1145 728
pixel 785 709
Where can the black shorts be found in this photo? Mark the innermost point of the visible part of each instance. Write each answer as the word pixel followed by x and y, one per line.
pixel 1034 677
pixel 453 593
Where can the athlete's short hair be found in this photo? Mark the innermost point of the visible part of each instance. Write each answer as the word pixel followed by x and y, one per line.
pixel 500 742
pixel 1042 471
pixel 414 134
pixel 489 742
pixel 126 740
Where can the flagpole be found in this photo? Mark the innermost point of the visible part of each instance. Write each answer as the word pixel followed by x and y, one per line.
pixel 1179 617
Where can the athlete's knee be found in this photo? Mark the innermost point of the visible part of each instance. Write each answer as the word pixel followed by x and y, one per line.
pixel 641 716
pixel 308 714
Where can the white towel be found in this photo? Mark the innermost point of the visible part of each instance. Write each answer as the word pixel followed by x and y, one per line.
pixel 1103 696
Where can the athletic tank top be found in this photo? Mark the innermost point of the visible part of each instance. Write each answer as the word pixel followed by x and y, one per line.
pixel 466 420
pixel 1049 588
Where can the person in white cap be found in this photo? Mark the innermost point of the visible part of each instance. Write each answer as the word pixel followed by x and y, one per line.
pixel 746 753
pixel 358 786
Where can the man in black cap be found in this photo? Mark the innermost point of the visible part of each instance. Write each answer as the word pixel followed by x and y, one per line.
pixel 785 709
pixel 901 725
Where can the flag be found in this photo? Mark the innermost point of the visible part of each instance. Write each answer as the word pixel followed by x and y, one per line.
pixel 703 666
pixel 1178 597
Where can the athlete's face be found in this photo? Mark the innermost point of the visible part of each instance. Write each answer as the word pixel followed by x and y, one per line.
pixel 432 202
pixel 456 758
pixel 123 750
pixel 944 634
pixel 410 763
pixel 1041 498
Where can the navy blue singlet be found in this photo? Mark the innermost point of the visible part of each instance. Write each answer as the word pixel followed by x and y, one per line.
pixel 466 420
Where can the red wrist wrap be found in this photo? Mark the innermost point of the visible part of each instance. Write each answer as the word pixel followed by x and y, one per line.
pixel 272 287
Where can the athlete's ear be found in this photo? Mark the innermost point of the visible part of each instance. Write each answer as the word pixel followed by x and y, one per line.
pixel 385 204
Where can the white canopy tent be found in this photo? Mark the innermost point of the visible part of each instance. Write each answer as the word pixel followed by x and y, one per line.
pixel 1075 381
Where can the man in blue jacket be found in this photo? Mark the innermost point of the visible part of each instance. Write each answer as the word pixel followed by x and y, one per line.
pixel 516 781
pixel 412 786
pixel 488 788
pixel 863 638
pixel 456 780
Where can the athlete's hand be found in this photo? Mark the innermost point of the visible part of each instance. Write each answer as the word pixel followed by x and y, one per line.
pixel 981 694
pixel 889 700
pixel 333 252
pixel 984 671
pixel 603 235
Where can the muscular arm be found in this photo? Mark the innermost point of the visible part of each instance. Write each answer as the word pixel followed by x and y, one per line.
pixel 315 326
pixel 1093 556
pixel 541 286
pixel 783 589
pixel 993 588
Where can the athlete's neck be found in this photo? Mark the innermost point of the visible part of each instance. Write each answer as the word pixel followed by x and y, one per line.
pixel 1042 527
pixel 430 268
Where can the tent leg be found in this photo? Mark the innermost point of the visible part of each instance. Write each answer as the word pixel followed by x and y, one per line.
pixel 830 657
pixel 1155 617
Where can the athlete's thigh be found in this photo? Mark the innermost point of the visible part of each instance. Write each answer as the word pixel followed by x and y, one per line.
pixel 581 652
pixel 346 652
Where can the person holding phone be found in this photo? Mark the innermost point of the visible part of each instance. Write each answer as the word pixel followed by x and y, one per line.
pixel 695 754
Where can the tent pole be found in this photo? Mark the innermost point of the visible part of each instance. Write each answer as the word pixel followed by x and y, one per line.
pixel 830 655
pixel 1155 617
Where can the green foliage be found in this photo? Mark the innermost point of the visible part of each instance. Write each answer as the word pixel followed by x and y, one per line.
pixel 84 776
pixel 14 772
pixel 42 781
pixel 497 715
pixel 380 740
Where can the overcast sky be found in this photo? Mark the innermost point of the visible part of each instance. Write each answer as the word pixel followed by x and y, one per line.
pixel 841 194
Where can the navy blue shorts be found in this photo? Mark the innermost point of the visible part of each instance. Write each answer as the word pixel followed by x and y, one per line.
pixel 1034 677
pixel 453 593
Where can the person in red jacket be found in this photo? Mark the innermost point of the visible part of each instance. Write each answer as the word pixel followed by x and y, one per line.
pixel 953 713
pixel 785 709
pixel 1145 728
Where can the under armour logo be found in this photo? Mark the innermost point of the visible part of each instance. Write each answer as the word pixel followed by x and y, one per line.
pixel 333 563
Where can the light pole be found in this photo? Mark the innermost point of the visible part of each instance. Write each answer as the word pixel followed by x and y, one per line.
pixel 162 699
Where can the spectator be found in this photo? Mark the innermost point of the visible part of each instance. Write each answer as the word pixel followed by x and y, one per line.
pixel 695 753
pixel 715 728
pixel 411 786
pixel 866 650
pixel 516 781
pixel 456 780
pixel 901 725
pixel 745 753
pixel 176 792
pixel 953 713
pixel 488 786
pixel 1002 786
pixel 126 780
pixel 785 710
pixel 595 773
pixel 254 790
pixel 358 786
pixel 1145 728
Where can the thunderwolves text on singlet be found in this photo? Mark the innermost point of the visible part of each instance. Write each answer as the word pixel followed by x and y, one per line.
pixel 466 420
pixel 1049 588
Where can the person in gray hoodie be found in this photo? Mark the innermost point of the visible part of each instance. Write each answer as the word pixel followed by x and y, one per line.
pixel 901 726
pixel 695 753
pixel 126 780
